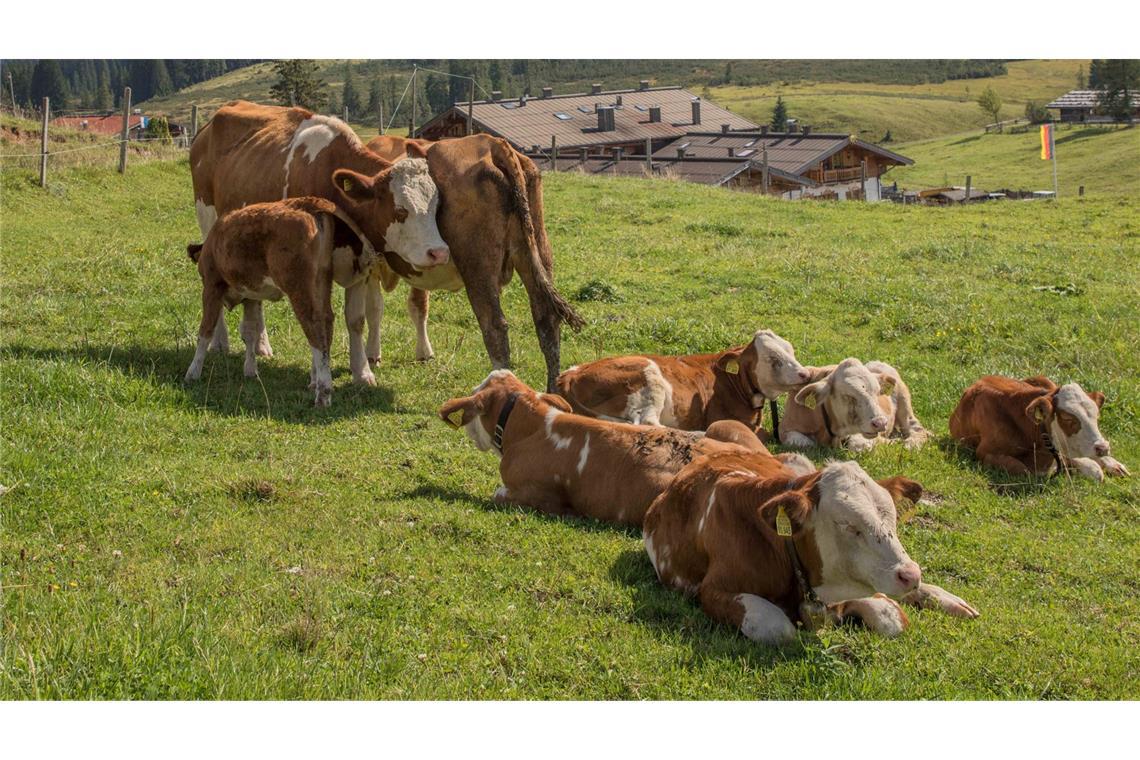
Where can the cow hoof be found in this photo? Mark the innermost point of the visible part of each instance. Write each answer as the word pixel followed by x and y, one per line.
pixel 323 397
pixel 426 358
pixel 1113 468
pixel 366 378
pixel 222 347
pixel 264 349
pixel 192 376
pixel 373 362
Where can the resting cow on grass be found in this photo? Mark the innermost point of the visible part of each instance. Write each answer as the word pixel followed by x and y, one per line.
pixel 294 248
pixel 762 547
pixel 687 392
pixel 566 464
pixel 1032 426
pixel 854 405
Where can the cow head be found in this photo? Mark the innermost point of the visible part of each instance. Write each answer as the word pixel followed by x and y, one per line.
pixel 396 210
pixel 852 521
pixel 1072 417
pixel 478 413
pixel 851 393
pixel 772 366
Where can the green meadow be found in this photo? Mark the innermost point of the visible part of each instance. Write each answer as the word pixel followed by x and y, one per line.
pixel 227 540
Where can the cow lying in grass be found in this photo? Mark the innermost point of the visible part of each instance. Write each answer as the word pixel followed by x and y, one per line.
pixel 1032 426
pixel 763 547
pixel 854 405
pixel 686 392
pixel 295 248
pixel 566 464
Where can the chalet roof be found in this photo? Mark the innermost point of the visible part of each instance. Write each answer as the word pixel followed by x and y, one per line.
pixel 1085 99
pixel 104 124
pixel 708 171
pixel 534 123
pixel 791 152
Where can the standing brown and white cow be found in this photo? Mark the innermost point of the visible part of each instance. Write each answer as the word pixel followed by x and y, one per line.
pixel 250 153
pixel 491 215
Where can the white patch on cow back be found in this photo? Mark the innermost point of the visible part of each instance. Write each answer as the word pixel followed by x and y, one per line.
pixel 207 217
pixel 313 135
pixel 584 454
pixel 560 442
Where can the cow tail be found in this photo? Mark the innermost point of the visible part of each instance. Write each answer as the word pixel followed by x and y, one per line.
pixel 507 162
pixel 194 250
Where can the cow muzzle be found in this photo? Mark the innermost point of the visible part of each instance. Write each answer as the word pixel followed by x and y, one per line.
pixel 908 576
pixel 438 256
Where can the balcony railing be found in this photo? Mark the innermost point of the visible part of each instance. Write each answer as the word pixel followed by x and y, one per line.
pixel 827 176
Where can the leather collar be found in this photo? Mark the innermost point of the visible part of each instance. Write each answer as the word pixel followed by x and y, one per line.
pixel 501 423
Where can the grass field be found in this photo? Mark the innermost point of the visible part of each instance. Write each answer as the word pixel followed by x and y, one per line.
pixel 227 540
pixel 909 112
pixel 1106 160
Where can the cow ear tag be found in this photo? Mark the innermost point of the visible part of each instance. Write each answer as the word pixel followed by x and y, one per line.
pixel 809 402
pixel 783 523
pixel 732 367
pixel 1038 414
pixel 456 417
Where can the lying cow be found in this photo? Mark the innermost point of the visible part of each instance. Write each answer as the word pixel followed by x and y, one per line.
pixel 1032 426
pixel 566 464
pixel 295 248
pixel 687 392
pixel 250 153
pixel 763 548
pixel 854 405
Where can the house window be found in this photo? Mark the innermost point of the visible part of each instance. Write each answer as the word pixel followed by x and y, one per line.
pixel 585 109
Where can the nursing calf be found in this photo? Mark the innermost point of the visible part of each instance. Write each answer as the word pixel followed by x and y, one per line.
pixel 294 248
pixel 566 464
pixel 686 392
pixel 854 405
pixel 1032 426
pixel 762 547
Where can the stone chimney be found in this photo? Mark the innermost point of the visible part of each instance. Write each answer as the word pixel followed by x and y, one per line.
pixel 696 111
pixel 547 92
pixel 724 129
pixel 643 84
pixel 595 88
pixel 618 103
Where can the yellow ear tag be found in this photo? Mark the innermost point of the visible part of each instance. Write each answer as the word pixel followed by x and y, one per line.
pixel 783 523
pixel 809 402
pixel 456 417
pixel 1038 414
pixel 732 367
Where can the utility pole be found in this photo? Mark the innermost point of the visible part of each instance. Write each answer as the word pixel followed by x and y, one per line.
pixel 412 128
pixel 470 104
pixel 126 134
pixel 44 143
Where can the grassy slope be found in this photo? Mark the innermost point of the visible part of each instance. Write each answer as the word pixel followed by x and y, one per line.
pixel 910 112
pixel 227 540
pixel 1104 160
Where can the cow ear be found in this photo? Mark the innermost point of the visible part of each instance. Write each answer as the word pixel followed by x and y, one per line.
pixel 901 488
pixel 415 150
pixel 1040 409
pixel 886 384
pixel 730 362
pixel 458 412
pixel 1098 399
pixel 812 394
pixel 557 402
pixel 353 185
pixel 794 505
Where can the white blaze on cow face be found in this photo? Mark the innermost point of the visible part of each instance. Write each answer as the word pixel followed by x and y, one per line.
pixel 854 525
pixel 414 235
pixel 776 370
pixel 1074 427
pixel 851 392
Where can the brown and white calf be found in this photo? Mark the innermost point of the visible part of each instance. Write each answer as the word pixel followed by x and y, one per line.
pixel 268 250
pixel 854 405
pixel 687 392
pixel 1011 425
pixel 250 153
pixel 566 464
pixel 715 533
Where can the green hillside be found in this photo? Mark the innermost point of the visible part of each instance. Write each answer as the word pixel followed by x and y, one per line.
pixel 225 539
pixel 1106 160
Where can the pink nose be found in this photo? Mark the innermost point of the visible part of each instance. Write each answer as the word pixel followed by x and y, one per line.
pixel 438 256
pixel 879 423
pixel 804 374
pixel 1101 449
pixel 909 575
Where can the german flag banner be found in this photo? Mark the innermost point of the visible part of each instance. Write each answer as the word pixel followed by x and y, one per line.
pixel 1046 142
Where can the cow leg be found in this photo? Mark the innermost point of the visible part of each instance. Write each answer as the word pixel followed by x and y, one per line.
pixel 795 439
pixel 546 324
pixel 355 310
pixel 374 314
pixel 263 347
pixel 1113 467
pixel 418 313
pixel 484 299
pixel 220 340
pixel 929 596
pixel 1087 467
pixel 1012 465
pixel 211 315
pixel 879 613
pixel 251 325
pixel 537 498
pixel 314 312
pixel 860 443
pixel 754 616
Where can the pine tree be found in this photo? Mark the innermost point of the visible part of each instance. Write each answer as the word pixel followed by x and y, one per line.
pixel 349 95
pixel 780 115
pixel 375 96
pixel 1118 81
pixel 1080 77
pixel 437 95
pixel 48 81
pixel 297 84
pixel 104 101
pixel 160 83
pixel 333 103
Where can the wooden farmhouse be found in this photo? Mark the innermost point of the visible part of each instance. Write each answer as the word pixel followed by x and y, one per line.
pixel 669 132
pixel 1083 106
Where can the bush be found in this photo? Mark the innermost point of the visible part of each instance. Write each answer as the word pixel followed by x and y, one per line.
pixel 1035 113
pixel 159 128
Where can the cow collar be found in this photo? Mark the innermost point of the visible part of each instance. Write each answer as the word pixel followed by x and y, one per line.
pixel 746 387
pixel 1051 447
pixel 501 423
pixel 811 608
pixel 826 420
pixel 774 407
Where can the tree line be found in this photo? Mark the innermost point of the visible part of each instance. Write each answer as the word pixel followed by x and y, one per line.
pixel 97 85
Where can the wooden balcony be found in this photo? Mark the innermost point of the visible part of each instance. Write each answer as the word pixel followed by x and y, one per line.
pixel 828 176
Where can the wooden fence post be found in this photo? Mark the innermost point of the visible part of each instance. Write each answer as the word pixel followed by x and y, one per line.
pixel 649 155
pixel 968 183
pixel 553 152
pixel 1081 191
pixel 44 144
pixel 863 178
pixel 126 130
pixel 193 122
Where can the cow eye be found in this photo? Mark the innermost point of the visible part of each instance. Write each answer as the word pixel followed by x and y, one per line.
pixel 776 363
pixel 401 215
pixel 853 530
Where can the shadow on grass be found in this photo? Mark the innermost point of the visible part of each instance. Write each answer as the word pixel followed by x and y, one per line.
pixel 964 140
pixel 671 614
pixel 281 392
pixel 1000 482
pixel 1082 134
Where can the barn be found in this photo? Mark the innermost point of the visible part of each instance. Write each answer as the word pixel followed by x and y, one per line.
pixel 1081 106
